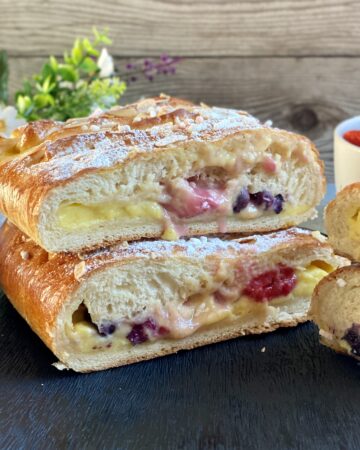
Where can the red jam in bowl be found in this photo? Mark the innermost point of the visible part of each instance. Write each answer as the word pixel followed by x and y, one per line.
pixel 353 136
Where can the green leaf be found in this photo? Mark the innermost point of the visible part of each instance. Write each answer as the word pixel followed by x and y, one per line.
pixel 89 48
pixel 47 71
pixel 68 73
pixel 4 76
pixel 101 38
pixel 96 34
pixel 106 40
pixel 106 92
pixel 23 104
pixel 47 85
pixel 67 58
pixel 53 63
pixel 69 87
pixel 42 100
pixel 27 88
pixel 89 65
pixel 77 52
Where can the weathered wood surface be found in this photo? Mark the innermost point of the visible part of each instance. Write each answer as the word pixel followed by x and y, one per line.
pixel 307 95
pixel 186 27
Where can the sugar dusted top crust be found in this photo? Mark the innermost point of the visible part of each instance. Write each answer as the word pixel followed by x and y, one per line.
pixel 55 151
pixel 199 247
pixel 69 268
pixel 60 274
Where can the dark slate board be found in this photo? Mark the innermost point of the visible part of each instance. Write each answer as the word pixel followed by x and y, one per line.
pixel 295 395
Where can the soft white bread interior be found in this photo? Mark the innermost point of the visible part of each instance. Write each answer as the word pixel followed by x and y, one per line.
pixel 136 301
pixel 161 167
pixel 335 308
pixel 342 221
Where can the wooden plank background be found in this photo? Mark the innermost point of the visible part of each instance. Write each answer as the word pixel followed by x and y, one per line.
pixel 293 61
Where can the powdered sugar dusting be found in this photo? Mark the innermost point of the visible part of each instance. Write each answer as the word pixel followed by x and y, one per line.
pixel 170 139
pixel 108 139
pixel 198 247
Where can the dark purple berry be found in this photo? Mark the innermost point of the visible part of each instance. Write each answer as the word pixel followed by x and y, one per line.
pixel 278 204
pixel 137 334
pixel 242 200
pixel 268 199
pixel 107 328
pixel 260 198
pixel 352 337
pixel 140 331
pixel 257 198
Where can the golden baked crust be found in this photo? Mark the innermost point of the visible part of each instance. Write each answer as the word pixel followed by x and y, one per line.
pixel 41 285
pixel 48 154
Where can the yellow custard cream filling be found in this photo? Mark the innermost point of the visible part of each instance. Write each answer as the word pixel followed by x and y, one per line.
pixel 295 210
pixel 308 278
pixel 77 215
pixel 206 312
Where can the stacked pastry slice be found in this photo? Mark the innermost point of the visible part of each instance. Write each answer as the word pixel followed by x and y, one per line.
pixel 335 306
pixel 83 196
pixel 159 168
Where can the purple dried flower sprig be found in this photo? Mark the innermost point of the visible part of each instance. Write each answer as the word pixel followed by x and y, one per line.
pixel 150 68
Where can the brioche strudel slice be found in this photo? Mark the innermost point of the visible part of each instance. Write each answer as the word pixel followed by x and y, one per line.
pixel 137 301
pixel 161 167
pixel 335 308
pixel 342 221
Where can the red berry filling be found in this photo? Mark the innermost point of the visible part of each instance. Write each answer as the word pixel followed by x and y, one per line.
pixel 353 136
pixel 191 198
pixel 140 332
pixel 271 284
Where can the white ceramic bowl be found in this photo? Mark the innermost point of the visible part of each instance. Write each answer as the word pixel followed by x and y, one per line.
pixel 346 155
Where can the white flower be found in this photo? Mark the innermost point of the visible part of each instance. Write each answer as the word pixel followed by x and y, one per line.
pixel 9 120
pixel 66 85
pixel 105 64
pixel 70 85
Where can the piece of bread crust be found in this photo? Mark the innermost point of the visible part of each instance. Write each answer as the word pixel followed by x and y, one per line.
pixel 47 288
pixel 112 155
pixel 340 221
pixel 335 308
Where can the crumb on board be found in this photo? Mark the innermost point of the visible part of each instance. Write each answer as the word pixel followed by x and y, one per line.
pixel 60 366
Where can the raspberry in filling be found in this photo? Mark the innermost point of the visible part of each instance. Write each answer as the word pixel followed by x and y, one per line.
pixel 190 199
pixel 141 332
pixel 271 284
